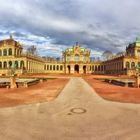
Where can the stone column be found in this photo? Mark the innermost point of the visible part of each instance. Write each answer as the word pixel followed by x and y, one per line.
pixel 13 51
pixel 1 52
pixel 72 69
pixel 81 69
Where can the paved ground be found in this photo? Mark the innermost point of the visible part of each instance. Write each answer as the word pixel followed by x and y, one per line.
pixel 60 120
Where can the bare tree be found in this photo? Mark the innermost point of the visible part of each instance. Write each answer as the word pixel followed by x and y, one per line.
pixel 32 50
pixel 58 59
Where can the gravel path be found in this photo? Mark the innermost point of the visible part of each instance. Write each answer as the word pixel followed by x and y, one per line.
pixel 77 114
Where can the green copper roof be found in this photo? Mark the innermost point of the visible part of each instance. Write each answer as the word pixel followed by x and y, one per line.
pixel 137 43
pixel 70 49
pixel 83 49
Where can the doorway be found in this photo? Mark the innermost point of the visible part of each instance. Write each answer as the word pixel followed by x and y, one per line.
pixel 76 68
pixel 68 69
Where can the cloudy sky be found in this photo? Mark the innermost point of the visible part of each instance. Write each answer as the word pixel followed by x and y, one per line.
pixel 53 25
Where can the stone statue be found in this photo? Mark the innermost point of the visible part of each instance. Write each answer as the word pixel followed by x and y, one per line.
pixel 137 82
pixel 12 70
pixel 12 77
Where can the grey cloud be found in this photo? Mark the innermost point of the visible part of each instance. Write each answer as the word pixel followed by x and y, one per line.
pixel 96 24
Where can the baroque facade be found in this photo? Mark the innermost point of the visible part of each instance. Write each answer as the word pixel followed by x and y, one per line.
pixel 125 64
pixel 11 52
pixel 75 60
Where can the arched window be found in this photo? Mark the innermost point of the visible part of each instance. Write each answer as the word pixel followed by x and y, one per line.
pixel 0 53
pixel 133 65
pixel 127 65
pixel 93 68
pixel 76 57
pixel 0 65
pixel 16 64
pixel 47 67
pixel 10 51
pixel 18 52
pixel 68 57
pixel 5 52
pixel 90 68
pixel 61 67
pixel 22 64
pixel 44 67
pixel 53 67
pixel 102 67
pixel 50 67
pixel 10 64
pixel 138 64
pixel 5 65
pixel 57 67
pixel 99 68
pixel 84 58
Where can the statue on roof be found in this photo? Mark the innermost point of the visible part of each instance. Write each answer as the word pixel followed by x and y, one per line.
pixel 12 70
pixel 77 44
pixel 11 37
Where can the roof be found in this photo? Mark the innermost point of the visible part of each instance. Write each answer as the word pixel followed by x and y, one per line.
pixel 76 48
pixel 137 43
pixel 10 41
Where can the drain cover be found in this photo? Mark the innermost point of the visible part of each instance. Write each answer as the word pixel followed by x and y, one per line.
pixel 78 110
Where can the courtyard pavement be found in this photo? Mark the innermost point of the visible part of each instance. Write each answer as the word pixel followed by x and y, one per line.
pixel 78 113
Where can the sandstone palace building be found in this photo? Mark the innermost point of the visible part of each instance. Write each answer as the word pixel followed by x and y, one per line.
pixel 75 59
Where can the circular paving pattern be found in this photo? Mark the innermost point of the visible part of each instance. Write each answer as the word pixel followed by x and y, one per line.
pixel 78 110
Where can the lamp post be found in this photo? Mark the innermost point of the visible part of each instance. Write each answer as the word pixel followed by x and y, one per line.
pixel 12 77
pixel 137 82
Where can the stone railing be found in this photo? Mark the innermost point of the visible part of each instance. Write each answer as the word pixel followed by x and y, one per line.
pixel 6 72
pixel 33 56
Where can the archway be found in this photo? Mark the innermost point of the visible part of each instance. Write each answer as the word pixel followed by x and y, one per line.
pixel 10 64
pixel 76 68
pixel 16 64
pixel 10 51
pixel 5 64
pixel 84 69
pixel 68 69
pixel 127 65
pixel 22 64
pixel 133 65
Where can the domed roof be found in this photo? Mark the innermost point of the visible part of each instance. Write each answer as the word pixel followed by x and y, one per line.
pixel 10 41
